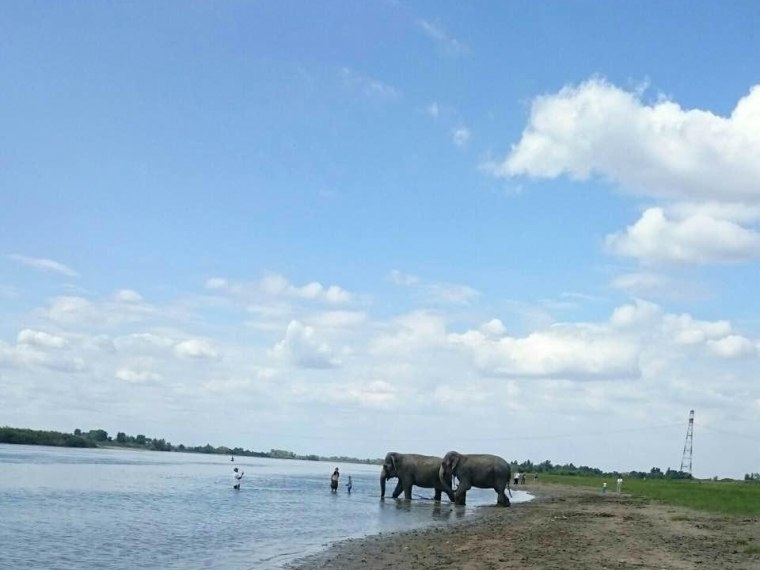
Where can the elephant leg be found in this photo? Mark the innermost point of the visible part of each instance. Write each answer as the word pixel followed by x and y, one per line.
pixel 397 490
pixel 502 499
pixel 437 497
pixel 408 492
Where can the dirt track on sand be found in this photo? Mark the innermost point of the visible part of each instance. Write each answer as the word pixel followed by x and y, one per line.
pixel 565 528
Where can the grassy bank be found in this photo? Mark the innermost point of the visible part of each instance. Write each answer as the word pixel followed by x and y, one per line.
pixel 727 497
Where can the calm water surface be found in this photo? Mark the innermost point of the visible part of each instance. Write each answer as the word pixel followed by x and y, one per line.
pixel 121 509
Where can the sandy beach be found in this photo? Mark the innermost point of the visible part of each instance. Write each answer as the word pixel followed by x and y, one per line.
pixel 563 527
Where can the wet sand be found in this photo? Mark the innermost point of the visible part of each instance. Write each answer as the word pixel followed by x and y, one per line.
pixel 562 528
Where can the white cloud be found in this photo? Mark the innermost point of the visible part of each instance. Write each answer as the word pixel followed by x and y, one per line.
pixel 399 278
pixel 301 347
pixel 641 283
pixel 373 394
pixel 44 265
pixel 338 319
pixel 638 314
pixel 196 348
pixel 128 296
pixel 654 149
pixel 40 338
pixel 697 239
pixel 448 293
pixel 79 311
pixel 733 346
pixel 434 110
pixel 217 283
pixel 493 328
pixel 33 356
pixel 574 352
pixel 131 376
pixel 274 285
pixel 411 333
pixel 460 136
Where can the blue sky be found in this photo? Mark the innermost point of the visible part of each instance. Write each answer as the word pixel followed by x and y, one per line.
pixel 352 227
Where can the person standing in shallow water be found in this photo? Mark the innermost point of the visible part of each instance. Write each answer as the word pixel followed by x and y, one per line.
pixel 334 480
pixel 236 477
pixel 349 485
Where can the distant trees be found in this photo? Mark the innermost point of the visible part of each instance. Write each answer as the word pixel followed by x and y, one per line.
pixel 570 469
pixel 38 437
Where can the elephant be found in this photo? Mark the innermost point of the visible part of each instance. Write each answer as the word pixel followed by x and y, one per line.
pixel 482 471
pixel 412 469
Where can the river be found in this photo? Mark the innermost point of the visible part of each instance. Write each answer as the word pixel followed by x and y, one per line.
pixel 114 509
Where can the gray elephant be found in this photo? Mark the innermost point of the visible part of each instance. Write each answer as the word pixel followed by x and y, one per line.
pixel 482 471
pixel 412 469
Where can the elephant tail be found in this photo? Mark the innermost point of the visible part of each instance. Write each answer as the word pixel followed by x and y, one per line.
pixel 509 489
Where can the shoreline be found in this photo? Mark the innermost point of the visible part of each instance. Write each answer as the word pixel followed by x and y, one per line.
pixel 561 527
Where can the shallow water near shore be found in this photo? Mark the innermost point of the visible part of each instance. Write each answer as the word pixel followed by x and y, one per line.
pixel 118 509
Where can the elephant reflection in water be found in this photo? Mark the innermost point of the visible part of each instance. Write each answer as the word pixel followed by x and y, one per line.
pixel 482 471
pixel 412 469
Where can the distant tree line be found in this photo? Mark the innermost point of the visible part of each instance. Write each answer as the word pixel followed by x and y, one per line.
pixel 100 438
pixel 570 469
pixel 38 437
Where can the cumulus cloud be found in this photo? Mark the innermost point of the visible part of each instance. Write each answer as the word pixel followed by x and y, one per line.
pixel 44 265
pixel 656 149
pixel 278 285
pixel 40 338
pixel 196 348
pixel 704 165
pixel 612 350
pixel 575 352
pixel 274 285
pixel 696 239
pixel 76 310
pixel 733 346
pixel 34 355
pixel 301 347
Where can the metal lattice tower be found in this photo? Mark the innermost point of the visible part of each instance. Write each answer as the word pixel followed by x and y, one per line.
pixel 688 446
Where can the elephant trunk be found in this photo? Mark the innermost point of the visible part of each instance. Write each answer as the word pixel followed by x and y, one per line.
pixel 383 479
pixel 445 480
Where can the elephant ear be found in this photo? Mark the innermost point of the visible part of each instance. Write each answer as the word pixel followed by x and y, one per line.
pixel 454 462
pixel 393 461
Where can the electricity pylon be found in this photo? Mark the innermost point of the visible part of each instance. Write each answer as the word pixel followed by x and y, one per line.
pixel 688 446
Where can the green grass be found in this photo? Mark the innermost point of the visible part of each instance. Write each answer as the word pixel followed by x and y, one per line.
pixel 727 497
